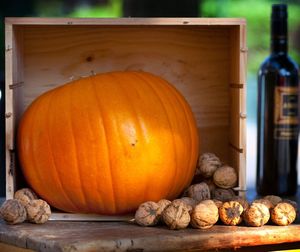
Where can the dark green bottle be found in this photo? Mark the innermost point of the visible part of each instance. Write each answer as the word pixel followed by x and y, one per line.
pixel 277 114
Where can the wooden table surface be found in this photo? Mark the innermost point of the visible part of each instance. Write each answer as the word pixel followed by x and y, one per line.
pixel 123 236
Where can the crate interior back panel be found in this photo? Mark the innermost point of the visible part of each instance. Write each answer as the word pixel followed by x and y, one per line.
pixel 203 58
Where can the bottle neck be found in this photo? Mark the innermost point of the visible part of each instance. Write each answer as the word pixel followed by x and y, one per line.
pixel 279 46
pixel 279 40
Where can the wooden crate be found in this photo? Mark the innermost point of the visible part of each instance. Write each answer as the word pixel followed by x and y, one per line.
pixel 205 58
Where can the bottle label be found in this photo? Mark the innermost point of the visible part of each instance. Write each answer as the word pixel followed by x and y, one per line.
pixel 286 113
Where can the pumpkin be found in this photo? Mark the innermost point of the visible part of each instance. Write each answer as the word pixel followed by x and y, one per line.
pixel 106 143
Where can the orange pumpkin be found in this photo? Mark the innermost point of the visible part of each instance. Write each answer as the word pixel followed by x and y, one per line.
pixel 106 143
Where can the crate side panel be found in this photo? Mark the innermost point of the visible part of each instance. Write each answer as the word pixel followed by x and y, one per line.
pixel 10 182
pixel 194 59
pixel 243 96
pixel 237 135
pixel 14 90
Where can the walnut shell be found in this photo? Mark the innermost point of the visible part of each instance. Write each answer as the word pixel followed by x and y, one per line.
pixel 231 213
pixel 283 214
pixel 223 194
pixel 204 215
pixel 242 201
pixel 274 199
pixel 293 203
pixel 264 201
pixel 148 214
pixel 225 177
pixel 163 203
pixel 188 202
pixel 211 185
pixel 25 195
pixel 218 203
pixel 199 191
pixel 256 215
pixel 13 212
pixel 38 211
pixel 176 215
pixel 207 165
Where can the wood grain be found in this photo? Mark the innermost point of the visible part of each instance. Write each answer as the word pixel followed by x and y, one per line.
pixel 124 21
pixel 56 216
pixel 9 248
pixel 119 236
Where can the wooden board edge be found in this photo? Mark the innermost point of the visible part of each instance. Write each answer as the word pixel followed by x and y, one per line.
pixel 9 113
pixel 123 21
pixel 89 217
pixel 243 107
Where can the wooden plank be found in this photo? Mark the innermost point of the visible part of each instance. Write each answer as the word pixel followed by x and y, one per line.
pixel 14 83
pixel 238 102
pixel 124 21
pixel 9 111
pixel 116 236
pixel 9 248
pixel 243 110
pixel 88 217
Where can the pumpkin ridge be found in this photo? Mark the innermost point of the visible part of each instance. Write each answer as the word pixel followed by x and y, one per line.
pixel 194 137
pixel 97 189
pixel 169 122
pixel 52 156
pixel 133 110
pixel 168 89
pixel 71 123
pixel 87 166
pixel 188 116
pixel 168 193
pixel 31 130
pixel 108 152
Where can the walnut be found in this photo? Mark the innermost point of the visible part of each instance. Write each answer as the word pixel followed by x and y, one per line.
pixel 264 201
pixel 225 177
pixel 199 191
pixel 25 195
pixel 211 185
pixel 274 199
pixel 176 215
pixel 38 211
pixel 218 203
pixel 230 213
pixel 223 194
pixel 188 202
pixel 204 215
pixel 293 203
pixel 148 214
pixel 163 203
pixel 13 212
pixel 207 165
pixel 257 215
pixel 283 214
pixel 242 201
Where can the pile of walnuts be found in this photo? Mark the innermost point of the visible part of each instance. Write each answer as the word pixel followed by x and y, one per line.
pixel 182 212
pixel 25 206
pixel 213 199
pixel 220 178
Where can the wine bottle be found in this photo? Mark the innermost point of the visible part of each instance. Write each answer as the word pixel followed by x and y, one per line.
pixel 277 114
